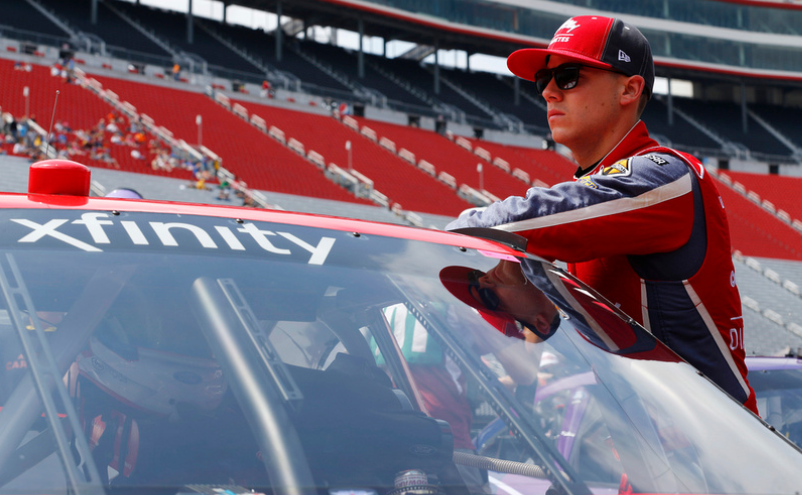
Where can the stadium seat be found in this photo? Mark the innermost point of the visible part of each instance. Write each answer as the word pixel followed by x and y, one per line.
pixel 400 181
pixel 450 158
pixel 247 152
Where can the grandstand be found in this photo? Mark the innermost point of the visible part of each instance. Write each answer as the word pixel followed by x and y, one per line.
pixel 425 141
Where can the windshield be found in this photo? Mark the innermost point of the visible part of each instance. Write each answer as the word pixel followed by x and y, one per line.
pixel 778 385
pixel 198 355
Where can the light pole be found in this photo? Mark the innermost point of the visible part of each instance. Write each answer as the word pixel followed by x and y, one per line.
pixel 481 177
pixel 348 148
pixel 199 122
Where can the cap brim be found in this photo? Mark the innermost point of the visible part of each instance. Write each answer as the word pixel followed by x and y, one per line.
pixel 526 62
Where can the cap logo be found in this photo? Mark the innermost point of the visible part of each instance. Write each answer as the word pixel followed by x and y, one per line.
pixel 569 26
pixel 623 57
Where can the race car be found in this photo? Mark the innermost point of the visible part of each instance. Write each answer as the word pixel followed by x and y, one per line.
pixel 159 347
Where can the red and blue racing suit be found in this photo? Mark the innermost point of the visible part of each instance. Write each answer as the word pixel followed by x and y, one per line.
pixel 646 227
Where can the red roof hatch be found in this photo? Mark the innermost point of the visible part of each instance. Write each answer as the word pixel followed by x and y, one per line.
pixel 59 177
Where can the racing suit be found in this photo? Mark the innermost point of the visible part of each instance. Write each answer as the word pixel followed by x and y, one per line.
pixel 646 227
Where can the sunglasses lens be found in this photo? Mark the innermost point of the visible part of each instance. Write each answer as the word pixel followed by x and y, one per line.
pixel 489 298
pixel 542 79
pixel 566 77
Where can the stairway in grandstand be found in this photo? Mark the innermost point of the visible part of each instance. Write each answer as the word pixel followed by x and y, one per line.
pixel 78 107
pixel 458 163
pixel 772 303
pixel 402 183
pixel 778 194
pixel 247 153
pixel 756 232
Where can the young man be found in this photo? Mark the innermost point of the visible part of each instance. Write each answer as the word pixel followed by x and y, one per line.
pixel 642 224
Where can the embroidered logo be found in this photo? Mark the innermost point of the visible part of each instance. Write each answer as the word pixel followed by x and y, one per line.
pixel 656 159
pixel 623 57
pixel 620 168
pixel 569 26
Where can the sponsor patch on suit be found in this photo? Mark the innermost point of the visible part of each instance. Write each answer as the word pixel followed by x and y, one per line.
pixel 621 168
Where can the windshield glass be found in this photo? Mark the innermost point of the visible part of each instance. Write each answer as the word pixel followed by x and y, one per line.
pixel 195 354
pixel 778 385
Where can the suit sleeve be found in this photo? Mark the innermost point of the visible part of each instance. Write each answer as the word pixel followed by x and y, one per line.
pixel 635 206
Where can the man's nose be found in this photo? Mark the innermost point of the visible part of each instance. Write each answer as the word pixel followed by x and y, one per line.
pixel 551 91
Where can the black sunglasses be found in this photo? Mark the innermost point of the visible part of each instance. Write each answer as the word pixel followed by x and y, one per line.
pixel 489 298
pixel 566 76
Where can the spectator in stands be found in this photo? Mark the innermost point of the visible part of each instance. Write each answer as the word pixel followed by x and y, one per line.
pixel 70 69
pixel 176 72
pixel 20 148
pixel 642 224
pixel 22 128
pixel 13 129
pixel 267 91
pixel 225 191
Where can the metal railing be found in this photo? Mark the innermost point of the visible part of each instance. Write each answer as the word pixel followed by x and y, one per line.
pixel 33 37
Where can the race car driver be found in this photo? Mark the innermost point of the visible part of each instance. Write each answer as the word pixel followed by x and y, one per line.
pixel 642 224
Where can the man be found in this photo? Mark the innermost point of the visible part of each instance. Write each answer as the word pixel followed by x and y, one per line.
pixel 642 224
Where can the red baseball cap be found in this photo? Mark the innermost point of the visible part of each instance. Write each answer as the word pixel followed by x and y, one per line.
pixel 592 40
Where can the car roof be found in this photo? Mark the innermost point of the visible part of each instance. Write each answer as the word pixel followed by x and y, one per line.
pixel 54 201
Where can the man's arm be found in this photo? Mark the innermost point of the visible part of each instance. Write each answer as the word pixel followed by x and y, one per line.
pixel 638 207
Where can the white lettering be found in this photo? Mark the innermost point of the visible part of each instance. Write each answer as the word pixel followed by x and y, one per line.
pixel 561 39
pixel 736 338
pixel 163 231
pixel 569 25
pixel 230 238
pixel 259 237
pixel 95 226
pixel 319 253
pixel 49 229
pixel 136 235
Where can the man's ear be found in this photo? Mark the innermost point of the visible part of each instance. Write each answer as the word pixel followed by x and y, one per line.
pixel 633 87
pixel 542 324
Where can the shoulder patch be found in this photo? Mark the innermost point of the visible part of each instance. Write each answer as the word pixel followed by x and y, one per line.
pixel 621 168
pixel 656 159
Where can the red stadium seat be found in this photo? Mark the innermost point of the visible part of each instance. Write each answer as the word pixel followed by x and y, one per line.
pixel 756 232
pixel 77 106
pixel 400 181
pixel 782 191
pixel 448 157
pixel 248 153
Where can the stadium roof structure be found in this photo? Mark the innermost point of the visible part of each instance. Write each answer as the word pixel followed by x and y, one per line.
pixel 725 40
